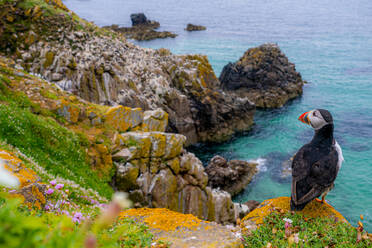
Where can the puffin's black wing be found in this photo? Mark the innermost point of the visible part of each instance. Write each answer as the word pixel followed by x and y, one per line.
pixel 312 174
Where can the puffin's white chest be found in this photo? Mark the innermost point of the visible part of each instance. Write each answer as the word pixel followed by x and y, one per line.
pixel 340 157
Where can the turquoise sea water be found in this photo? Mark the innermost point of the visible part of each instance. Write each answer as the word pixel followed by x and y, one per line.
pixel 330 41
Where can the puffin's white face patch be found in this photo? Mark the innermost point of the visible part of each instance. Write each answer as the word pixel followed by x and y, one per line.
pixel 316 119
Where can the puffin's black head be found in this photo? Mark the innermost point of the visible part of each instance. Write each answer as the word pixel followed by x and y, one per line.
pixel 316 118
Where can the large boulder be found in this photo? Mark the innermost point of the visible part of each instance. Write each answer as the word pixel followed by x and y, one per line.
pixel 232 176
pixel 155 170
pixel 265 75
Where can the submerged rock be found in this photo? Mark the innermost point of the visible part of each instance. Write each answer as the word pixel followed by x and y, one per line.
pixel 264 75
pixel 192 27
pixel 232 176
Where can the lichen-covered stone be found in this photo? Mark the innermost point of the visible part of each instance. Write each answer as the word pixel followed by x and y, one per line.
pixel 31 190
pixel 156 120
pixel 123 118
pixel 68 111
pixel 313 210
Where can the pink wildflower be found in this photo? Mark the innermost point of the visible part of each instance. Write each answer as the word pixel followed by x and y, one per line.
pixel 50 191
pixel 59 186
pixel 77 217
pixel 53 182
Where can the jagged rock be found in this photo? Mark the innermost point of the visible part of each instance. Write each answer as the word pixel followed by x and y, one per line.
pixel 264 75
pixel 107 69
pixel 192 27
pixel 232 176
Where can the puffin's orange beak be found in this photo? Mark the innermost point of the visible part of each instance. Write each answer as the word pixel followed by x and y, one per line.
pixel 304 118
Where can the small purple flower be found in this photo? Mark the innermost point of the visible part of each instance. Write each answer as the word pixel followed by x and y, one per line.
pixel 77 217
pixel 53 182
pixel 59 186
pixel 50 191
pixel 47 207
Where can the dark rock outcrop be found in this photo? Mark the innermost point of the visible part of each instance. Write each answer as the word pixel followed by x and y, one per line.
pixel 232 176
pixel 264 75
pixel 142 29
pixel 192 27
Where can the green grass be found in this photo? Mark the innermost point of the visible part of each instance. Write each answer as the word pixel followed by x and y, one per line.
pixel 318 232
pixel 57 149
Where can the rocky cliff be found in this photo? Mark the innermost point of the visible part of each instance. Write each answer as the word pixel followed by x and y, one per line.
pixel 264 75
pixel 102 67
pixel 127 144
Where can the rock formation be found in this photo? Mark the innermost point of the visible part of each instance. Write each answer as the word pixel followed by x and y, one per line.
pixel 142 29
pixel 148 163
pixel 264 75
pixel 192 27
pixel 102 67
pixel 232 176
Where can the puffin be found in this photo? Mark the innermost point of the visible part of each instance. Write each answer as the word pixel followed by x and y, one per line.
pixel 316 164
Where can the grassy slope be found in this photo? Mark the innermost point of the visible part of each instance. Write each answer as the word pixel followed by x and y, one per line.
pixel 37 133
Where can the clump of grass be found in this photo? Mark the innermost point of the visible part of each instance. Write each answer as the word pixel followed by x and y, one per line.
pixel 304 232
pixel 54 147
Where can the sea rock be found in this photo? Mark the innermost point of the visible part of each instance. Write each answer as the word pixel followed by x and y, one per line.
pixel 232 176
pixel 192 27
pixel 142 29
pixel 139 19
pixel 264 75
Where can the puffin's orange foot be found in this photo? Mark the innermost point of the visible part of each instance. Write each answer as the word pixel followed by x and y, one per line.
pixel 318 200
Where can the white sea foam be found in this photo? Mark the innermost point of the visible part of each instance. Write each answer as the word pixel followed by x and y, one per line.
pixel 261 164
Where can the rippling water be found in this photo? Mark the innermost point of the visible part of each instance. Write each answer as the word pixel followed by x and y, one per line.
pixel 330 42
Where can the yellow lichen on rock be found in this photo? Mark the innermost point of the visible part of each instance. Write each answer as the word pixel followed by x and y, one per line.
pixel 156 120
pixel 30 191
pixel 163 219
pixel 312 210
pixel 16 167
pixel 123 118
pixel 68 110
